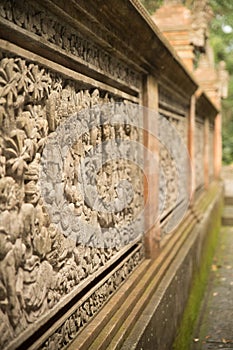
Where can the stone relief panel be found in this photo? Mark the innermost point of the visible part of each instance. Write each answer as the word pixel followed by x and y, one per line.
pixel 199 153
pixel 39 264
pixel 171 194
pixel 38 21
pixel 168 181
pixel 173 162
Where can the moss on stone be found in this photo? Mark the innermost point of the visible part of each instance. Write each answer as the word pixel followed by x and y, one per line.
pixel 185 333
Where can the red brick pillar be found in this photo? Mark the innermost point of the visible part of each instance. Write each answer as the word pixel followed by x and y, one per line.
pixel 206 152
pixel 217 145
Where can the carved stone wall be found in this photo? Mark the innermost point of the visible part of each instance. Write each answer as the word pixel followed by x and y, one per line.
pixel 42 267
pixel 48 224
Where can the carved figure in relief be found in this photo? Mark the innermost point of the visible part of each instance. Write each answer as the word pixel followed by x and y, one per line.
pixel 12 249
pixel 2 159
pixel 25 277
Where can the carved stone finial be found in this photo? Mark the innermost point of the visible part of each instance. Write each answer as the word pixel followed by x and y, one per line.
pixel 202 14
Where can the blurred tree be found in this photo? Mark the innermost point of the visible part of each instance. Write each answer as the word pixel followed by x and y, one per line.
pixel 221 38
pixel 152 5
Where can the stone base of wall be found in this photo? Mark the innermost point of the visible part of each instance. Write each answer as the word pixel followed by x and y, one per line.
pixel 148 309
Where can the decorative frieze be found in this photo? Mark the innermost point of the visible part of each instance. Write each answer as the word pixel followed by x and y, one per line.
pixel 88 307
pixel 174 109
pixel 54 31
pixel 174 169
pixel 174 161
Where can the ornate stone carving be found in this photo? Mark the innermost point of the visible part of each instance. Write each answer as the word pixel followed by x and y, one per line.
pixel 88 308
pixel 39 265
pixel 172 173
pixel 168 181
pixel 37 20
pixel 223 77
pixel 202 15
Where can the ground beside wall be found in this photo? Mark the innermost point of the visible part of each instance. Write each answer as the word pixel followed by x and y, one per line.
pixel 183 284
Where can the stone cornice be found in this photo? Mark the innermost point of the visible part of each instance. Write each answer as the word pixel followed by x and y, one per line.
pixel 127 30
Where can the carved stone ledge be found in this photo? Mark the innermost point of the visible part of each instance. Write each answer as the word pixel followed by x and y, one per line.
pixel 62 42
pixel 82 312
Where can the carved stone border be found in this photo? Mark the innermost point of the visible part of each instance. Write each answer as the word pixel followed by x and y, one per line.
pixel 66 329
pixel 39 24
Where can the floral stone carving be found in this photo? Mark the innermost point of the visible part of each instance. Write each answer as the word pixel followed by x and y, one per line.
pixel 41 264
pixel 40 22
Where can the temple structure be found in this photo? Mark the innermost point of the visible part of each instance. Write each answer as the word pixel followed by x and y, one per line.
pixel 110 157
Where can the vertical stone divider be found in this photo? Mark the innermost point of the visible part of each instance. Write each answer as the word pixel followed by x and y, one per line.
pixel 191 143
pixel 217 145
pixel 151 170
pixel 206 153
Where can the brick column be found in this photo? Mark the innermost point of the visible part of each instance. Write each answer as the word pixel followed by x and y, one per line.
pixel 206 153
pixel 217 145
pixel 151 188
pixel 191 141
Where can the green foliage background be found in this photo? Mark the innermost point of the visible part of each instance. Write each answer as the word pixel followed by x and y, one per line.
pixel 222 43
pixel 221 39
